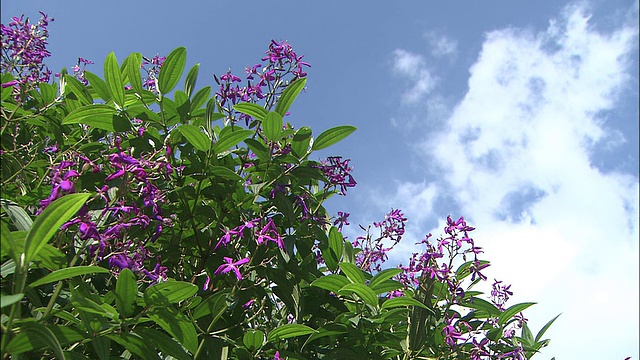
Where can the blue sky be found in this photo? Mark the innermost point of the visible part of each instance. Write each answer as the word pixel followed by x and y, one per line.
pixel 521 117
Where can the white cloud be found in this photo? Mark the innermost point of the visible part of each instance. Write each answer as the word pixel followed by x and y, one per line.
pixel 516 157
pixel 414 68
pixel 441 45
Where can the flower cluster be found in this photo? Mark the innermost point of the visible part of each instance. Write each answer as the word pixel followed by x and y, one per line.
pixel 338 173
pixel 24 47
pixel 151 66
pixel 263 80
pixel 375 251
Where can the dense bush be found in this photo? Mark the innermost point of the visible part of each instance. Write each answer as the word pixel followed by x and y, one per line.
pixel 140 220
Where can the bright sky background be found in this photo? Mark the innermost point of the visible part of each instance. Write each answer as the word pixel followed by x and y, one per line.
pixel 522 117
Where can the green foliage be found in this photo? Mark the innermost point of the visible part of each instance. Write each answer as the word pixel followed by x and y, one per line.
pixel 162 226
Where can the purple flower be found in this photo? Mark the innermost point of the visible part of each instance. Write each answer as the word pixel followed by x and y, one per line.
pixel 231 266
pixel 338 173
pixel 270 233
pixel 341 220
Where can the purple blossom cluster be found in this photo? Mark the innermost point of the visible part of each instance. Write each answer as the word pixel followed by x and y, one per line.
pixel 24 47
pixel 124 175
pixel 268 232
pixel 151 66
pixel 263 80
pixel 338 173
pixel 375 251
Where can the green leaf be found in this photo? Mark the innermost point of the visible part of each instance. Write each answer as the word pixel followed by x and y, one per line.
pixel 301 141
pixel 25 341
pixel 231 139
pixel 332 136
pixel 195 137
pixel 171 70
pixel 48 92
pixel 214 305
pixel 225 173
pixel 254 110
pixel 132 69
pixel 68 273
pixel 43 333
pixel 383 275
pixel 176 324
pixel 200 97
pixel 289 95
pixel 511 311
pixel 258 147
pixel 190 80
pixel 353 272
pixel 126 292
pixel 288 331
pixel 78 89
pixel 210 113
pixel 135 345
pixel 349 254
pixel 99 86
pixel 170 291
pixel 403 301
pixel 483 305
pixel 336 242
pixel 162 341
pixel 113 78
pixel 272 126
pixel 6 300
pixel 99 116
pixel 386 286
pixel 253 339
pixel 545 328
pixel 364 292
pixel 9 245
pixel 49 221
pixel 527 336
pixel 19 218
pixel 331 282
pixel 463 270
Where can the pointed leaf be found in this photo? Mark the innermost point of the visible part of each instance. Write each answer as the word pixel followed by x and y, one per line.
pixel 78 89
pixel 200 97
pixel 6 300
pixel 336 241
pixel 214 305
pixel 171 70
pixel 545 328
pixel 132 69
pixel 195 136
pixel 99 116
pixel 353 272
pixel 190 80
pixel 403 301
pixel 511 311
pixel 113 78
pixel 170 291
pixel 332 136
pixel 176 324
pixel 135 345
pixel 331 282
pixel 288 331
pixel 163 342
pixel 289 95
pixel 362 291
pixel 99 86
pixel 272 126
pixel 300 142
pixel 253 339
pixel 49 221
pixel 254 110
pixel 67 273
pixel 231 139
pixel 382 287
pixel 383 275
pixel 126 292
pixel 44 334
